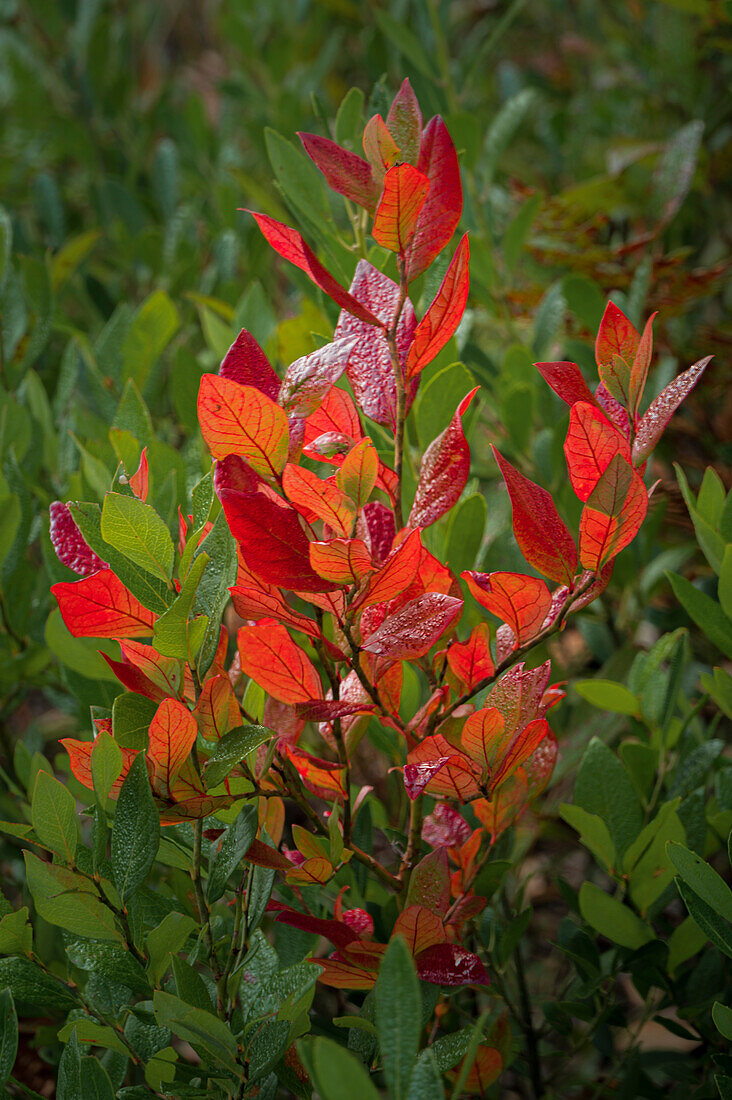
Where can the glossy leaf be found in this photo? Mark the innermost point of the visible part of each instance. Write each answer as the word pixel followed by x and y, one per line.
pixel 343 561
pixel 641 364
pixel 541 534
pixel 403 196
pixel 615 349
pixel 380 148
pixel 412 630
pixel 612 515
pixel 316 498
pixel 100 606
pixel 230 851
pixel 445 828
pixel 69 544
pixel 311 377
pixel 449 964
pixel 567 381
pixel 436 767
pixel 345 172
pixel 444 204
pixel 592 443
pixel 53 814
pixel 398 1016
pixel 404 122
pixel 419 927
pixel 246 363
pixel 441 320
pixel 358 472
pixel 172 734
pixel 520 601
pixel 444 471
pixel 269 655
pixel 241 420
pixel 397 573
pixel 654 420
pixel 471 661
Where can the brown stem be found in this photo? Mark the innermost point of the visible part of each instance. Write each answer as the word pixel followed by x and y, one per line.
pixel 414 843
pixel 343 760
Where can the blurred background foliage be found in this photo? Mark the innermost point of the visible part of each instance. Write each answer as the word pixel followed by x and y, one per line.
pixel 596 145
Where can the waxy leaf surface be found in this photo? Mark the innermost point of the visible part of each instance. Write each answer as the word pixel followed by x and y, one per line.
pixel 444 471
pixel 654 420
pixel 518 600
pixel 173 732
pixel 345 172
pixel 615 348
pixel 69 544
pixel 444 314
pixel 343 561
pixel 404 122
pixel 246 363
pixel 450 964
pixel 241 420
pixel 591 444
pixel 444 203
pixel 567 381
pixel 395 575
pixel 309 378
pixel 412 630
pixel 471 661
pixel 401 202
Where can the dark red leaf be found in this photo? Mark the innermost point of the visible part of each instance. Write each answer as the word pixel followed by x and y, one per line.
pixel 444 205
pixel 567 381
pixel 417 776
pixel 449 964
pixel 376 526
pixel 338 932
pixel 395 575
pixel 413 630
pixel 445 828
pixel 444 471
pixel 346 173
pixel 246 363
pixel 68 542
pixel 444 314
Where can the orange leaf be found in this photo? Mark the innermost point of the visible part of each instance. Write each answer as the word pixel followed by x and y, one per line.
pixel 420 927
pixel 379 146
pixel 444 314
pixel 139 480
pixel 322 499
pixel 482 736
pixel 80 762
pixel 100 606
pixel 591 444
pixel 164 672
pixel 321 777
pixel 612 515
pixel 343 975
pixel 358 472
pixel 615 348
pixel 241 420
pixel 395 575
pixel 641 363
pixel 269 655
pixel 520 601
pixel 520 749
pixel 172 734
pixel 401 202
pixel 456 778
pixel 471 661
pixel 317 870
pixel 217 710
pixel 343 561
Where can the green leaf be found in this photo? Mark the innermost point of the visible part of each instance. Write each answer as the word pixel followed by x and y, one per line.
pixel 212 594
pixel 608 695
pixel 406 42
pixel 34 992
pixel 106 765
pixel 171 631
pixel 706 612
pixel 153 327
pixel 548 319
pixel 714 927
pixel 603 787
pixel 68 900
pixel 89 1031
pixel 705 515
pixel 16 934
pixel 349 119
pixel 722 1017
pixel 334 1071
pixel 68 1086
pixel 11 523
pixel 108 960
pixel 135 832
pixel 398 1015
pixel 651 872
pixel 232 748
pixel 189 985
pixel 438 400
pixel 211 1037
pixel 82 655
pixel 684 941
pixel 517 232
pixel 675 172
pixel 131 718
pixel 71 255
pixel 503 128
pixel 641 762
pixel 465 533
pixel 724 587
pixel 269 1044
pixel 8 1035
pixel 167 940
pixel 53 813
pixel 593 833
pixel 95 1081
pixel 585 299
pixel 450 1049
pixel 611 918
pixel 702 879
pixel 425 1082
pixel 234 844
pixel 137 531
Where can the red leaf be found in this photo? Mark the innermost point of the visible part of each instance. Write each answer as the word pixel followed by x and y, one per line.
pixel 450 964
pixel 541 534
pixel 376 526
pixel 519 750
pixel 482 738
pixel 453 775
pixel 241 420
pixel 444 204
pixel 420 928
pixel 80 762
pixel 401 202
pixel 380 148
pixel 444 314
pixel 485 1070
pixel 336 931
pixel 323 778
pixel 418 775
pixel 290 245
pixel 309 378
pixel 654 420
pixel 413 630
pixel 359 920
pixel 615 348
pixel 145 671
pixel 217 710
pixel 269 655
pixel 591 444
pixel 255 602
pixel 271 539
pixel 538 767
pixel 68 542
pixel 613 514
pixel 370 370
pixel 100 606
pixel 567 381
pixel 325 710
pixel 139 482
pixel 343 975
pixel 613 410
pixel 262 855
pixel 394 576
pixel 444 471
pixel 172 734
pixel 346 173
pixel 520 695
pixel 323 499
pixel 246 363
pixel 471 661
pixel 404 123
pixel 343 561
pixel 445 828
pixel 641 363
pixel 358 472
pixel 520 601
pixel 337 415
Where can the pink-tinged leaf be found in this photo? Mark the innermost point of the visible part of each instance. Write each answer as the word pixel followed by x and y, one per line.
pixel 567 381
pixel 172 734
pixel 370 371
pixel 241 420
pixel 376 526
pixel 380 148
pixel 359 920
pixel 271 538
pixel 519 601
pixel 336 415
pixel 654 420
pixel 404 123
pixel 321 777
pixel 100 606
pixel 615 348
pixel 612 515
pixel 68 542
pixel 322 499
pixel 445 828
pixel 270 657
pixel 450 964
pixel 482 736
pixel 641 364
pixel 429 884
pixel 358 472
pixel 143 670
pixel 471 661
pixel 140 480
pixel 591 444
pixel 444 471
pixel 342 561
pixel 444 314
pixel 394 576
pixel 80 762
pixel 346 173
pixel 420 928
pixel 135 680
pixel 415 628
pixel 252 602
pixel 326 710
pixel 217 710
pixel 310 378
pixel 614 411
pixel 444 204
pixel 597 587
pixel 539 766
pixel 338 932
pixel 542 536
pixel 520 749
pixel 401 202
pixel 246 363
pixel 290 245
pixel 519 695
pixel 417 776
pixel 455 777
